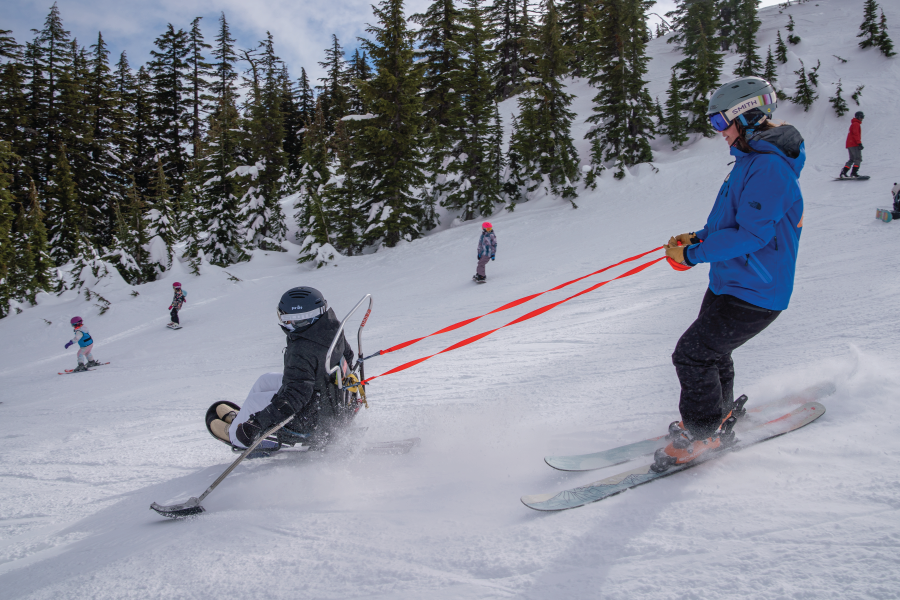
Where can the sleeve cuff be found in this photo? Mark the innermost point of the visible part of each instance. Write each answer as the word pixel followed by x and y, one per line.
pixel 687 258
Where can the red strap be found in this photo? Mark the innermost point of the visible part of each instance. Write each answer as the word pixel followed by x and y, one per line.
pixel 512 304
pixel 525 317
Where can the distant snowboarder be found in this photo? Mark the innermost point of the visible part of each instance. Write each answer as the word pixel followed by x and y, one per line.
pixel 304 389
pixel 750 239
pixel 179 299
pixel 854 146
pixel 895 194
pixel 487 250
pixel 85 345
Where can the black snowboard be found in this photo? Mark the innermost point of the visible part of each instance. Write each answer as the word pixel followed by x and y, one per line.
pixel 860 178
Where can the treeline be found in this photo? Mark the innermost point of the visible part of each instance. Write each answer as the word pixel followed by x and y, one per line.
pixel 190 156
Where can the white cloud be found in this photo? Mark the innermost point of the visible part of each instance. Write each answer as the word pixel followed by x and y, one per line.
pixel 301 28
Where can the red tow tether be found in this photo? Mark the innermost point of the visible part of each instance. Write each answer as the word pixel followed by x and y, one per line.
pixel 515 303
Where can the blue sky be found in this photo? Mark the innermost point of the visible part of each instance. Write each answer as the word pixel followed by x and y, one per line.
pixel 302 28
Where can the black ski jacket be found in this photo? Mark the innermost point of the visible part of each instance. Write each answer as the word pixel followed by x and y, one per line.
pixel 305 382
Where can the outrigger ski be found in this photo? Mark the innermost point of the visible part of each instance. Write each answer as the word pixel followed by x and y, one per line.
pixel 622 454
pixel 604 488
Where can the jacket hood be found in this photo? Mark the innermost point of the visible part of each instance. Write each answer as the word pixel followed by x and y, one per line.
pixel 785 141
pixel 855 120
pixel 321 332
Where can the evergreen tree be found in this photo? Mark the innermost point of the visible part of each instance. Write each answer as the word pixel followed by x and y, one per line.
pixel 883 40
pixel 344 193
pixel 312 217
pixel 122 121
pixel 100 186
pixel 50 56
pixel 143 140
pixel 508 24
pixel 868 29
pixel 675 123
pixel 261 214
pixel 440 38
pixel 729 23
pixel 575 20
pixel 623 110
pixel 7 248
pixel 334 91
pixel 161 226
pixel 33 254
pixel 218 195
pixel 805 95
pixel 792 39
pixel 475 163
pixel 770 71
pixel 780 49
pixel 745 36
pixel 65 222
pixel 543 142
pixel 171 103
pixel 701 66
pixel 196 81
pixel 391 141
pixel 838 102
pixel 292 123
pixel 358 70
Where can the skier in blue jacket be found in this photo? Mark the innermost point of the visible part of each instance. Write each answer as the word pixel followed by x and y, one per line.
pixel 750 239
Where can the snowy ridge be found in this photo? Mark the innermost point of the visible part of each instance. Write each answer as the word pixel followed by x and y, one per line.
pixel 810 515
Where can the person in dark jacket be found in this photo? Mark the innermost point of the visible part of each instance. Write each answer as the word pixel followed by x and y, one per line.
pixel 305 390
pixel 854 146
pixel 750 239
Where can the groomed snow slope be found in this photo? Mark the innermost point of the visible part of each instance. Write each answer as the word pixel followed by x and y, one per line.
pixel 810 515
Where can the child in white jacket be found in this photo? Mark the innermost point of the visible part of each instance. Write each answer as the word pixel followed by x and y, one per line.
pixel 85 345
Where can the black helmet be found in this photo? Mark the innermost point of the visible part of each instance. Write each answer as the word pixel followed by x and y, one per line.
pixel 300 307
pixel 859 115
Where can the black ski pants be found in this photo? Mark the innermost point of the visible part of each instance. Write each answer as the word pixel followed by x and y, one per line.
pixel 174 315
pixel 702 358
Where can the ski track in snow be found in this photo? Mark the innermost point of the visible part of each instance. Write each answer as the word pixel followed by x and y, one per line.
pixel 810 515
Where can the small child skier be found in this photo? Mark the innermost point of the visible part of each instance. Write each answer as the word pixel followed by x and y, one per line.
pixel 85 345
pixel 854 146
pixel 487 250
pixel 179 299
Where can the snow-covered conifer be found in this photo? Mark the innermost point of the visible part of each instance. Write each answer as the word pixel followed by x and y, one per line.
pixel 542 141
pixel 805 95
pixel 623 109
pixel 391 141
pixel 838 102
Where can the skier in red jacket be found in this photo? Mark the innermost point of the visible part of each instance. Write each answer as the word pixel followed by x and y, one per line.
pixel 854 146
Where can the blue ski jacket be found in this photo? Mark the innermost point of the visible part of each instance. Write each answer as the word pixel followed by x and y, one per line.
pixel 752 234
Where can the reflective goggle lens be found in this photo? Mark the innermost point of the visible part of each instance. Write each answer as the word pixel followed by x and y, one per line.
pixel 719 122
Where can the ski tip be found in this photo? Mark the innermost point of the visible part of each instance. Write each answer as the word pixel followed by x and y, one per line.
pixel 540 502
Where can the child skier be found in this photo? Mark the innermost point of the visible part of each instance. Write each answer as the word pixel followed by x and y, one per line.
pixel 179 299
pixel 85 345
pixel 854 146
pixel 487 250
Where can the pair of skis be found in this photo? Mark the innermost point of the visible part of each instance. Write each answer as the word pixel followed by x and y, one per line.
pixel 70 371
pixel 751 430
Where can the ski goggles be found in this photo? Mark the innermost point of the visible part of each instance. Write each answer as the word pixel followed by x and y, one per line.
pixel 719 122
